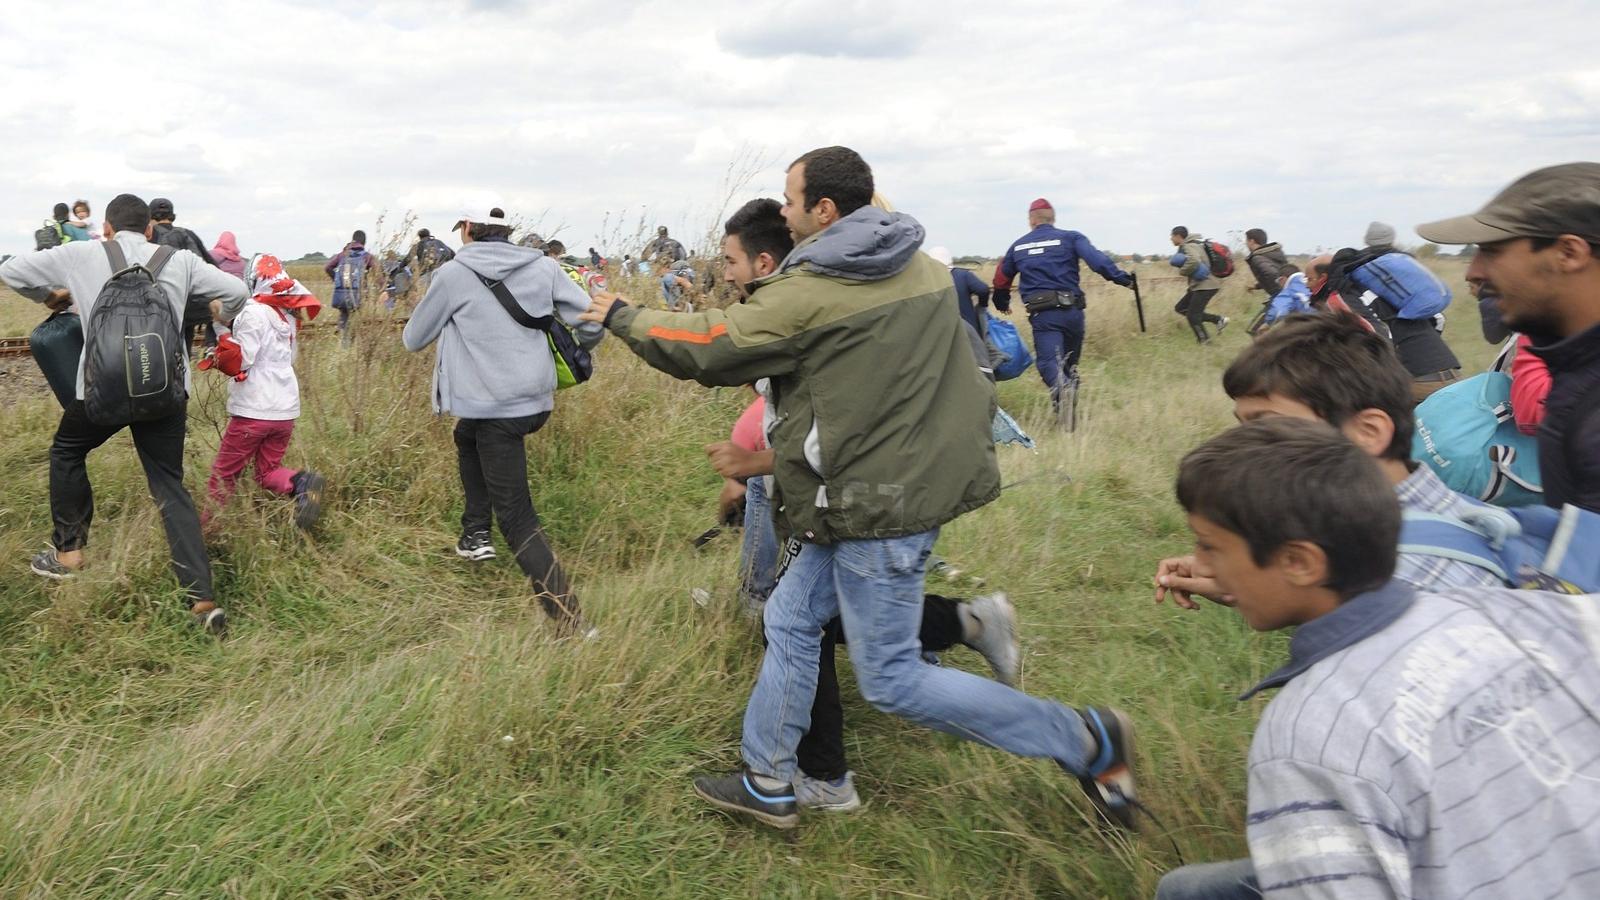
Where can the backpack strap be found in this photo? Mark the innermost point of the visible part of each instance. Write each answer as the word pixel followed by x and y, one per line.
pixel 159 261
pixel 514 309
pixel 119 260
pixel 1426 534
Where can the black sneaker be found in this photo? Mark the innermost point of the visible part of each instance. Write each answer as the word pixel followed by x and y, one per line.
pixel 48 564
pixel 308 488
pixel 737 793
pixel 1109 782
pixel 475 546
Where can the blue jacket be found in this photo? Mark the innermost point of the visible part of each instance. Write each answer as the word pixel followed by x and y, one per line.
pixel 969 285
pixel 1047 259
pixel 1295 297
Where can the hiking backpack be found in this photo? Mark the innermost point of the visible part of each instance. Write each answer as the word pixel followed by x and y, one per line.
pixel 133 353
pixel 347 278
pixel 1219 258
pixel 433 253
pixel 1404 283
pixel 50 235
pixel 1530 548
pixel 1466 434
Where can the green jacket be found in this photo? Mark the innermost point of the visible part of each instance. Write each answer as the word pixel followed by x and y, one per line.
pixel 882 425
pixel 1194 253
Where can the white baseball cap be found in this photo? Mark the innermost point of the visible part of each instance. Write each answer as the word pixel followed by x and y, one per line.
pixel 496 216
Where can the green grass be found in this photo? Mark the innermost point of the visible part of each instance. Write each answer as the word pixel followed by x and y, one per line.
pixel 389 721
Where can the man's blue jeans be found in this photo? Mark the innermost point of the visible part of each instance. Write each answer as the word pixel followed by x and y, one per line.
pixel 875 586
pixel 1232 880
pixel 758 558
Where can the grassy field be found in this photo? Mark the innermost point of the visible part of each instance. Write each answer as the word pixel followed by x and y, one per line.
pixel 390 721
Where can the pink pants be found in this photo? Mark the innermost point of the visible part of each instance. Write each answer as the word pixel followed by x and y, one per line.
pixel 260 441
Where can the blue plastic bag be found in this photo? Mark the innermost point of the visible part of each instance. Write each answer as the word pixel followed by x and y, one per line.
pixel 1004 338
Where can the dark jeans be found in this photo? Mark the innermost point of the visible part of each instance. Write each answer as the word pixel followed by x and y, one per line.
pixel 1193 306
pixel 821 751
pixel 494 477
pixel 160 446
pixel 1058 342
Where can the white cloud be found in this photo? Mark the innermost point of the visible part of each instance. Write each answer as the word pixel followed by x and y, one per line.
pixel 291 122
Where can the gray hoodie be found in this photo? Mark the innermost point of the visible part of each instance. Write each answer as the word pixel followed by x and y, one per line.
pixel 490 367
pixel 867 245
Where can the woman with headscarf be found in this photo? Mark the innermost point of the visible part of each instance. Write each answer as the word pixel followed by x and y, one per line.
pixel 226 253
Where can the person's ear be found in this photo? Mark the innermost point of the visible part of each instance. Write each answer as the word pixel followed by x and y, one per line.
pixel 1572 253
pixel 765 265
pixel 107 230
pixel 149 230
pixel 827 212
pixel 1370 429
pixel 1302 564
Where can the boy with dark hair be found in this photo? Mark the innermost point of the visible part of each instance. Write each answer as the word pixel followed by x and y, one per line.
pixel 1422 745
pixel 1331 369
pixel 1194 264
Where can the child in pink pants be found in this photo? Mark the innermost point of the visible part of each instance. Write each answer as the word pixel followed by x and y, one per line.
pixel 264 395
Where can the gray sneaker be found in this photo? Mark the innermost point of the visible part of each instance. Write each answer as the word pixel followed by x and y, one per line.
pixel 827 796
pixel 48 564
pixel 997 642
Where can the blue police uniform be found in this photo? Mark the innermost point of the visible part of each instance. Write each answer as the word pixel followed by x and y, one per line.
pixel 1047 260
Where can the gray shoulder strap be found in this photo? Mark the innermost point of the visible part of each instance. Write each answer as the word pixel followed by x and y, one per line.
pixel 115 254
pixel 159 261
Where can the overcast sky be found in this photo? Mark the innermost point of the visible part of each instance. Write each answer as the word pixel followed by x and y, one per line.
pixel 292 123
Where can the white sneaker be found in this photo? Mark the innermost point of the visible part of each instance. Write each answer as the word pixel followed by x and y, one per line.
pixel 826 796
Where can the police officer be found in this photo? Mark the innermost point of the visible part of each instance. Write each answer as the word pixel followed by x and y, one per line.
pixel 1047 259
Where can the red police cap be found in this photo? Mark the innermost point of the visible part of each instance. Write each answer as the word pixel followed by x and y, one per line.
pixel 1039 204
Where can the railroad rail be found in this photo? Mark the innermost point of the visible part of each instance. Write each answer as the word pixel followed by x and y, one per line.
pixel 11 347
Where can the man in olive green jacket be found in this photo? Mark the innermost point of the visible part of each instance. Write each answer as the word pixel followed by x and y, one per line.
pixel 1195 265
pixel 881 436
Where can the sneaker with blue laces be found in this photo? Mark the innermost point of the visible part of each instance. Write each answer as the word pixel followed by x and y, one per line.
pixel 824 795
pixel 1109 779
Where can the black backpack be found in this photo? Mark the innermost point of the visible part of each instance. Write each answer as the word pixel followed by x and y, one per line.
pixel 48 236
pixel 133 353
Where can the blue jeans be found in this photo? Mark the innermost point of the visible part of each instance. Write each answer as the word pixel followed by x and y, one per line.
pixel 1057 343
pixel 875 586
pixel 758 557
pixel 1232 880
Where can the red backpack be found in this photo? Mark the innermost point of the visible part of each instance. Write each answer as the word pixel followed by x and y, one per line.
pixel 1219 259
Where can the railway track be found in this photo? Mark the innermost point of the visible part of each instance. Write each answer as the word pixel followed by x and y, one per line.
pixel 12 347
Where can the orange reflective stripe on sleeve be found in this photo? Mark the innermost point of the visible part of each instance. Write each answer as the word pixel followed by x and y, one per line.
pixel 686 336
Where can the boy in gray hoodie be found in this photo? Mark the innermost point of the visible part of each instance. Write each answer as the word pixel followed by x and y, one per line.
pixel 500 379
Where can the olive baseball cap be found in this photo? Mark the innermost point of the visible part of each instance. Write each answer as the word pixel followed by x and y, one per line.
pixel 1545 203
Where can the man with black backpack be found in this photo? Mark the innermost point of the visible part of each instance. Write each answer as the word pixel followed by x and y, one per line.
pixel 197 317
pixel 134 374
pixel 1198 261
pixel 490 310
pixel 348 269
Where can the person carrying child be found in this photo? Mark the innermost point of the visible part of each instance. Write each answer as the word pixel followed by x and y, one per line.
pixel 264 394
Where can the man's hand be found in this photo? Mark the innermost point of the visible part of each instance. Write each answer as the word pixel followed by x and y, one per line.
pixel 1123 281
pixel 732 461
pixel 58 300
pixel 600 306
pixel 728 501
pixel 1179 578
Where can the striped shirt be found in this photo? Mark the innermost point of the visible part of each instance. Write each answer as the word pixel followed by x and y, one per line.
pixel 1423 491
pixel 1433 745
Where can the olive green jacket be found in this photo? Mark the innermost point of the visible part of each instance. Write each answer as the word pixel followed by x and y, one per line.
pixel 882 426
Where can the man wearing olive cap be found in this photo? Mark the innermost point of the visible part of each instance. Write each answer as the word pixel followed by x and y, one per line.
pixel 1539 259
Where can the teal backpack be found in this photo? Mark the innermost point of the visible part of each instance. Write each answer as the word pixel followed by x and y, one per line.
pixel 1466 434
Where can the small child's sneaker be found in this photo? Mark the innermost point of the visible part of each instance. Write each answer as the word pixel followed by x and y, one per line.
pixel 308 488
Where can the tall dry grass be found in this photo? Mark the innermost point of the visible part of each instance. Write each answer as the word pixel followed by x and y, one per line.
pixel 391 721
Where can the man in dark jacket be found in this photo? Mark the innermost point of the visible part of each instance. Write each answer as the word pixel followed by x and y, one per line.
pixel 882 435
pixel 1539 257
pixel 1046 259
pixel 196 316
pixel 1421 346
pixel 1267 262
